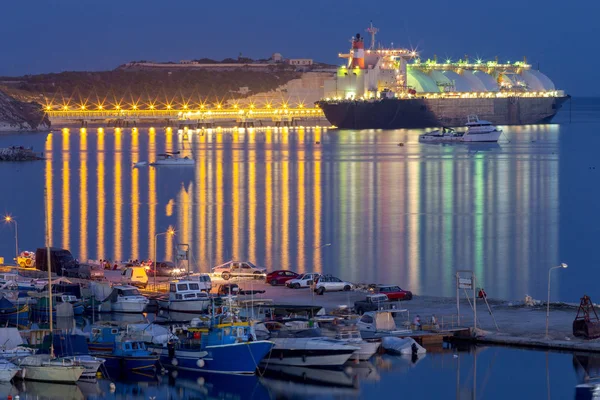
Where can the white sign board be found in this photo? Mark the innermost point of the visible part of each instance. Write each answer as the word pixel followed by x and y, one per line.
pixel 465 283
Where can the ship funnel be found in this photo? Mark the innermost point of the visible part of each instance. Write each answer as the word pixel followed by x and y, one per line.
pixel 358 53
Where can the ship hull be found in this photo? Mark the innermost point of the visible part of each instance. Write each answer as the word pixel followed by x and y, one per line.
pixel 424 113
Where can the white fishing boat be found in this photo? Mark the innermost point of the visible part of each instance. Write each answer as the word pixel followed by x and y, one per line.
pixel 127 299
pixel 8 371
pixel 185 296
pixel 478 131
pixel 173 159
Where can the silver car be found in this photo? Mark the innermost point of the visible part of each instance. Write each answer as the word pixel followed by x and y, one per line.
pixel 239 269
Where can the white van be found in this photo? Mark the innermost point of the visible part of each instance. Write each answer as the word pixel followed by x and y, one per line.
pixel 135 276
pixel 203 280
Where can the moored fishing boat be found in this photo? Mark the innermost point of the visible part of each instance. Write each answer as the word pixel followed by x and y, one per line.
pixel 74 348
pixel 185 296
pixel 130 355
pixel 219 347
pixel 11 314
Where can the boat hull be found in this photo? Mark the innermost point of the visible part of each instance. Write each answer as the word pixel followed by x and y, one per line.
pixel 125 364
pixel 50 373
pixel 237 358
pixel 423 113
pixel 128 307
pixel 189 306
pixel 366 350
pixel 308 358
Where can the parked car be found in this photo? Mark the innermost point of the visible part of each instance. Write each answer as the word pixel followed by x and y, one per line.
pixel 372 302
pixel 165 268
pixel 303 281
pixel 393 292
pixel 328 283
pixel 135 276
pixel 239 269
pixel 84 271
pixel 280 277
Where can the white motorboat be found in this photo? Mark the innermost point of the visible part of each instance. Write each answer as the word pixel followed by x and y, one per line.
pixel 127 299
pixel 309 351
pixel 172 159
pixel 338 329
pixel 12 344
pixel 381 323
pixel 185 296
pixel 140 164
pixel 7 371
pixel 478 131
pixel 41 367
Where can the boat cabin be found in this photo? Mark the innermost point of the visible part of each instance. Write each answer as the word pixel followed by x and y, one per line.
pixel 130 348
pixel 186 290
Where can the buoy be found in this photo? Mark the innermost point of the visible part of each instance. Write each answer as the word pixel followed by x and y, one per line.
pixel 348 370
pixel 174 373
pixel 113 387
pixel 200 363
pixel 174 362
pixel 200 381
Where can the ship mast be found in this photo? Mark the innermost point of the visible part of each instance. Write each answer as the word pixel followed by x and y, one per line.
pixel 372 31
pixel 48 265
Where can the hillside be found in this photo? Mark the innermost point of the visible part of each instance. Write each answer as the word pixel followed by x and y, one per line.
pixel 144 86
pixel 17 115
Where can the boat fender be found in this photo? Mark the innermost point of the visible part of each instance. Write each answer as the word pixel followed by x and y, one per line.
pixel 174 373
pixel 174 362
pixel 304 358
pixel 349 370
pixel 200 363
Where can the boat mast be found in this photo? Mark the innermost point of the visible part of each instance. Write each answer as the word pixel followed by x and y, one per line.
pixel 48 265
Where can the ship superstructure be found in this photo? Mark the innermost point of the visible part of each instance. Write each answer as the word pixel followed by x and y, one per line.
pixel 377 74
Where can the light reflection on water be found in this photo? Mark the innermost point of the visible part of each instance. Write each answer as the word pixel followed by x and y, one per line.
pixel 484 372
pixel 407 214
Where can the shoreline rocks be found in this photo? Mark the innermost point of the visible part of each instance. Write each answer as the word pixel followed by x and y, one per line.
pixel 18 116
pixel 18 154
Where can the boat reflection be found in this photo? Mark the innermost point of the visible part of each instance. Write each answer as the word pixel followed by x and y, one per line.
pixel 46 390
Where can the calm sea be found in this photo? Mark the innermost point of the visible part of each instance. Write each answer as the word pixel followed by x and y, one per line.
pixel 357 205
pixel 410 215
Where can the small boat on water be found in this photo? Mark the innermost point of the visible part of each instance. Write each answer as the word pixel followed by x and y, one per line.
pixel 44 367
pixel 478 131
pixel 130 355
pixel 185 296
pixel 128 299
pixel 75 348
pixel 380 324
pixel 172 159
pixel 102 338
pixel 8 370
pixel 11 314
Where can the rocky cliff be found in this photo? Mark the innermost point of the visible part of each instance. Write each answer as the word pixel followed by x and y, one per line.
pixel 17 115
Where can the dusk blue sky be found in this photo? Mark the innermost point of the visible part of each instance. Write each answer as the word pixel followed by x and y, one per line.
pixel 40 36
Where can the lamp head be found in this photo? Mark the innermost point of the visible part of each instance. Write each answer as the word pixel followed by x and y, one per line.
pixel 8 218
pixel 563 265
pixel 171 231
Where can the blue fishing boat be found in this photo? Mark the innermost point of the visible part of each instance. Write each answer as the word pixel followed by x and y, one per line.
pixel 229 348
pixel 102 339
pixel 129 355
pixel 11 314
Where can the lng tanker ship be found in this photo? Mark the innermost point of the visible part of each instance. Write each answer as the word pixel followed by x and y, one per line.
pixel 393 88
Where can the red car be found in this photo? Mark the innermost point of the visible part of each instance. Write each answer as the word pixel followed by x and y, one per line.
pixel 394 293
pixel 280 277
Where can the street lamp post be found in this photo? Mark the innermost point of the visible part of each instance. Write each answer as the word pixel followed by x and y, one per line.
pixel 169 231
pixel 10 219
pixel 562 265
